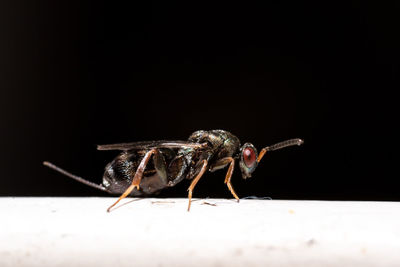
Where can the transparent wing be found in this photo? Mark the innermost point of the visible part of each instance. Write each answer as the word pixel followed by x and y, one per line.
pixel 150 144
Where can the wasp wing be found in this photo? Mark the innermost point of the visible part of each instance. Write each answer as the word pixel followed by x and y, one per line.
pixel 150 145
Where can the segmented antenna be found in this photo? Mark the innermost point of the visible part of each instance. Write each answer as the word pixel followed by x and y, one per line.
pixel 76 178
pixel 291 142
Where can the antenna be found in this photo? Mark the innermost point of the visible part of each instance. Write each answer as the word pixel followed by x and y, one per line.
pixel 291 142
pixel 280 145
pixel 76 178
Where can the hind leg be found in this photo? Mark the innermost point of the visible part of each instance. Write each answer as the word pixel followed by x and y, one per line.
pixel 137 178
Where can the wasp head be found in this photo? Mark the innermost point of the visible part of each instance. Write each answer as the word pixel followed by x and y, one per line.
pixel 247 160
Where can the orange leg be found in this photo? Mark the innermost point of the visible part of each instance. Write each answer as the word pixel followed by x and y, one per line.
pixel 221 164
pixel 137 178
pixel 195 180
pixel 229 176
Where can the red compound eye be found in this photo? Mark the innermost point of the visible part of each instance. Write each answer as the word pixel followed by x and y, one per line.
pixel 249 156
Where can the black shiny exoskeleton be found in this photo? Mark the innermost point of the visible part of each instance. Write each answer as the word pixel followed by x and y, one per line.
pixel 145 168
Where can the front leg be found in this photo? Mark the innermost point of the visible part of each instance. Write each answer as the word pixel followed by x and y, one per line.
pixel 221 164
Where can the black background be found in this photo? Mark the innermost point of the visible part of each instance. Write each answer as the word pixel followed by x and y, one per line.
pixel 74 74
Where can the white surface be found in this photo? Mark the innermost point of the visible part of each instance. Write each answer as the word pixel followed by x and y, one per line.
pixel 160 232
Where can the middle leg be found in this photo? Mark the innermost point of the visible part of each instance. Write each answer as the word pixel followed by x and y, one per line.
pixel 195 180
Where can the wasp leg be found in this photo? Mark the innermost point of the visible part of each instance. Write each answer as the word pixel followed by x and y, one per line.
pixel 222 163
pixel 137 178
pixel 195 180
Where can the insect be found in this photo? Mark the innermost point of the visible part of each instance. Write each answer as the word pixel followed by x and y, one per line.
pixel 146 168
